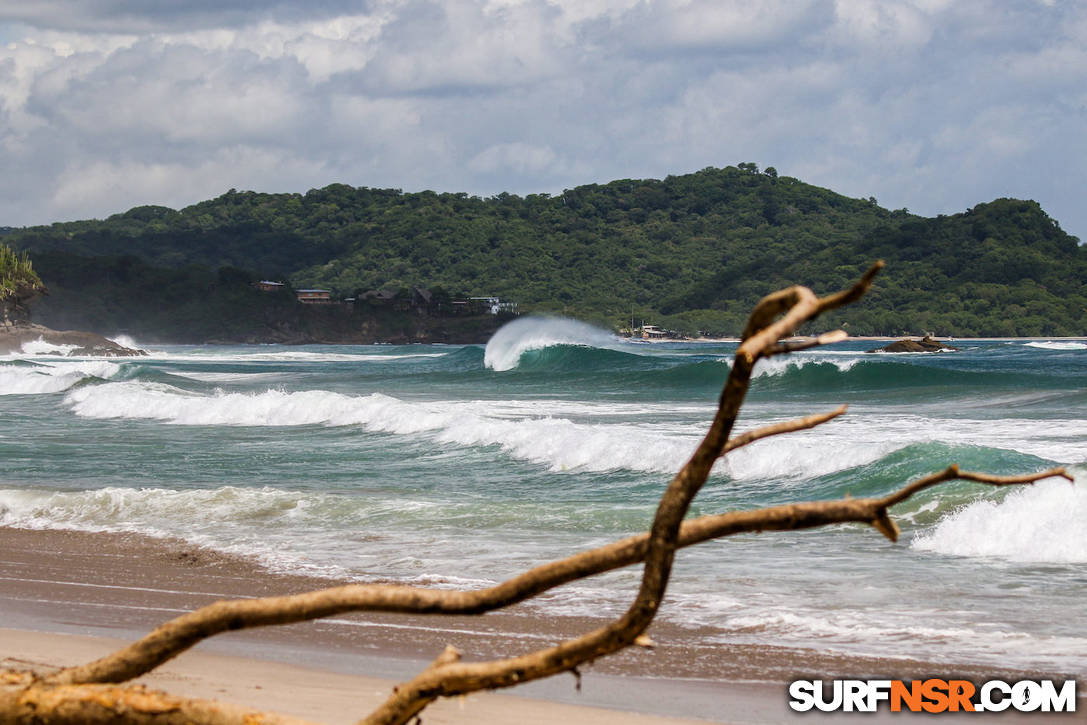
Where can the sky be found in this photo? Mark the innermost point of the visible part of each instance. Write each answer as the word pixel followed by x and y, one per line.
pixel 930 105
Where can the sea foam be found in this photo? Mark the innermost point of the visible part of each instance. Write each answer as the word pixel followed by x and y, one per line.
pixel 41 347
pixel 125 341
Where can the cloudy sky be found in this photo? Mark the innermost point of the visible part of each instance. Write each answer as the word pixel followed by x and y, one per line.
pixel 933 105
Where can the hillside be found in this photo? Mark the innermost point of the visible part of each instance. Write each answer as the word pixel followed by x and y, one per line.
pixel 691 252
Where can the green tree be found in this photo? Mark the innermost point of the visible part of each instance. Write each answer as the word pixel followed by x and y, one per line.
pixel 19 284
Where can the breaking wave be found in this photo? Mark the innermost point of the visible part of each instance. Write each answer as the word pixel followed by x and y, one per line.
pixel 126 341
pixel 558 443
pixel 1043 523
pixel 506 347
pixel 821 374
pixel 40 378
pixel 1058 345
pixel 41 347
pixel 527 431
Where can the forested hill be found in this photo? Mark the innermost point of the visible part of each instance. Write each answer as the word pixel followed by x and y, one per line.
pixel 691 252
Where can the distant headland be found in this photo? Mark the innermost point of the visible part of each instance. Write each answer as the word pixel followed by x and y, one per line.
pixel 688 253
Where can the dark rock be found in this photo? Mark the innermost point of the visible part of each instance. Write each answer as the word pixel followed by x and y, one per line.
pixel 118 351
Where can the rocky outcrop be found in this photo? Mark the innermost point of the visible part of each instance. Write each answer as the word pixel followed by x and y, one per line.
pixel 925 344
pixel 14 336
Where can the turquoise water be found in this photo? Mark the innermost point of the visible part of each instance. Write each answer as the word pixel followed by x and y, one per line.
pixel 460 465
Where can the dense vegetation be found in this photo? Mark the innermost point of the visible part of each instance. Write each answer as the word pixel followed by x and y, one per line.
pixel 690 252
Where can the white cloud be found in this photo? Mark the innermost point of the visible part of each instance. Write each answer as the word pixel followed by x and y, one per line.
pixel 884 24
pixel 85 188
pixel 520 158
pixel 931 104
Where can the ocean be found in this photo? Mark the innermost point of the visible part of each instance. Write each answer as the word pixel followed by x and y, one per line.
pixel 458 466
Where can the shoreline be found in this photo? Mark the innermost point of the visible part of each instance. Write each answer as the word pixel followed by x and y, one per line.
pixel 66 586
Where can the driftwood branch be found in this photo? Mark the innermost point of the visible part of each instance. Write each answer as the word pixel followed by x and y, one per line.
pixel 26 699
pixel 77 693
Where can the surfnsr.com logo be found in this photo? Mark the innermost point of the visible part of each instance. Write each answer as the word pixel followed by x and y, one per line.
pixel 932 695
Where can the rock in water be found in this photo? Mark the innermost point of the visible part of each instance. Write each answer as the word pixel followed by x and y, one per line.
pixel 925 344
pixel 12 338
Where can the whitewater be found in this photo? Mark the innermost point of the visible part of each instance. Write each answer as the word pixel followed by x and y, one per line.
pixel 378 463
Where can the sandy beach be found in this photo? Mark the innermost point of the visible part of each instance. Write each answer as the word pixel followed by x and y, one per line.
pixel 304 692
pixel 68 597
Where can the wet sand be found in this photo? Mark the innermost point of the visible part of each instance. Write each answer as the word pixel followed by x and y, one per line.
pixel 74 596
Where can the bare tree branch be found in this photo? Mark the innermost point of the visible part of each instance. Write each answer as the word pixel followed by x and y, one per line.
pixel 788 426
pixel 827 338
pixel 799 305
pixel 952 472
